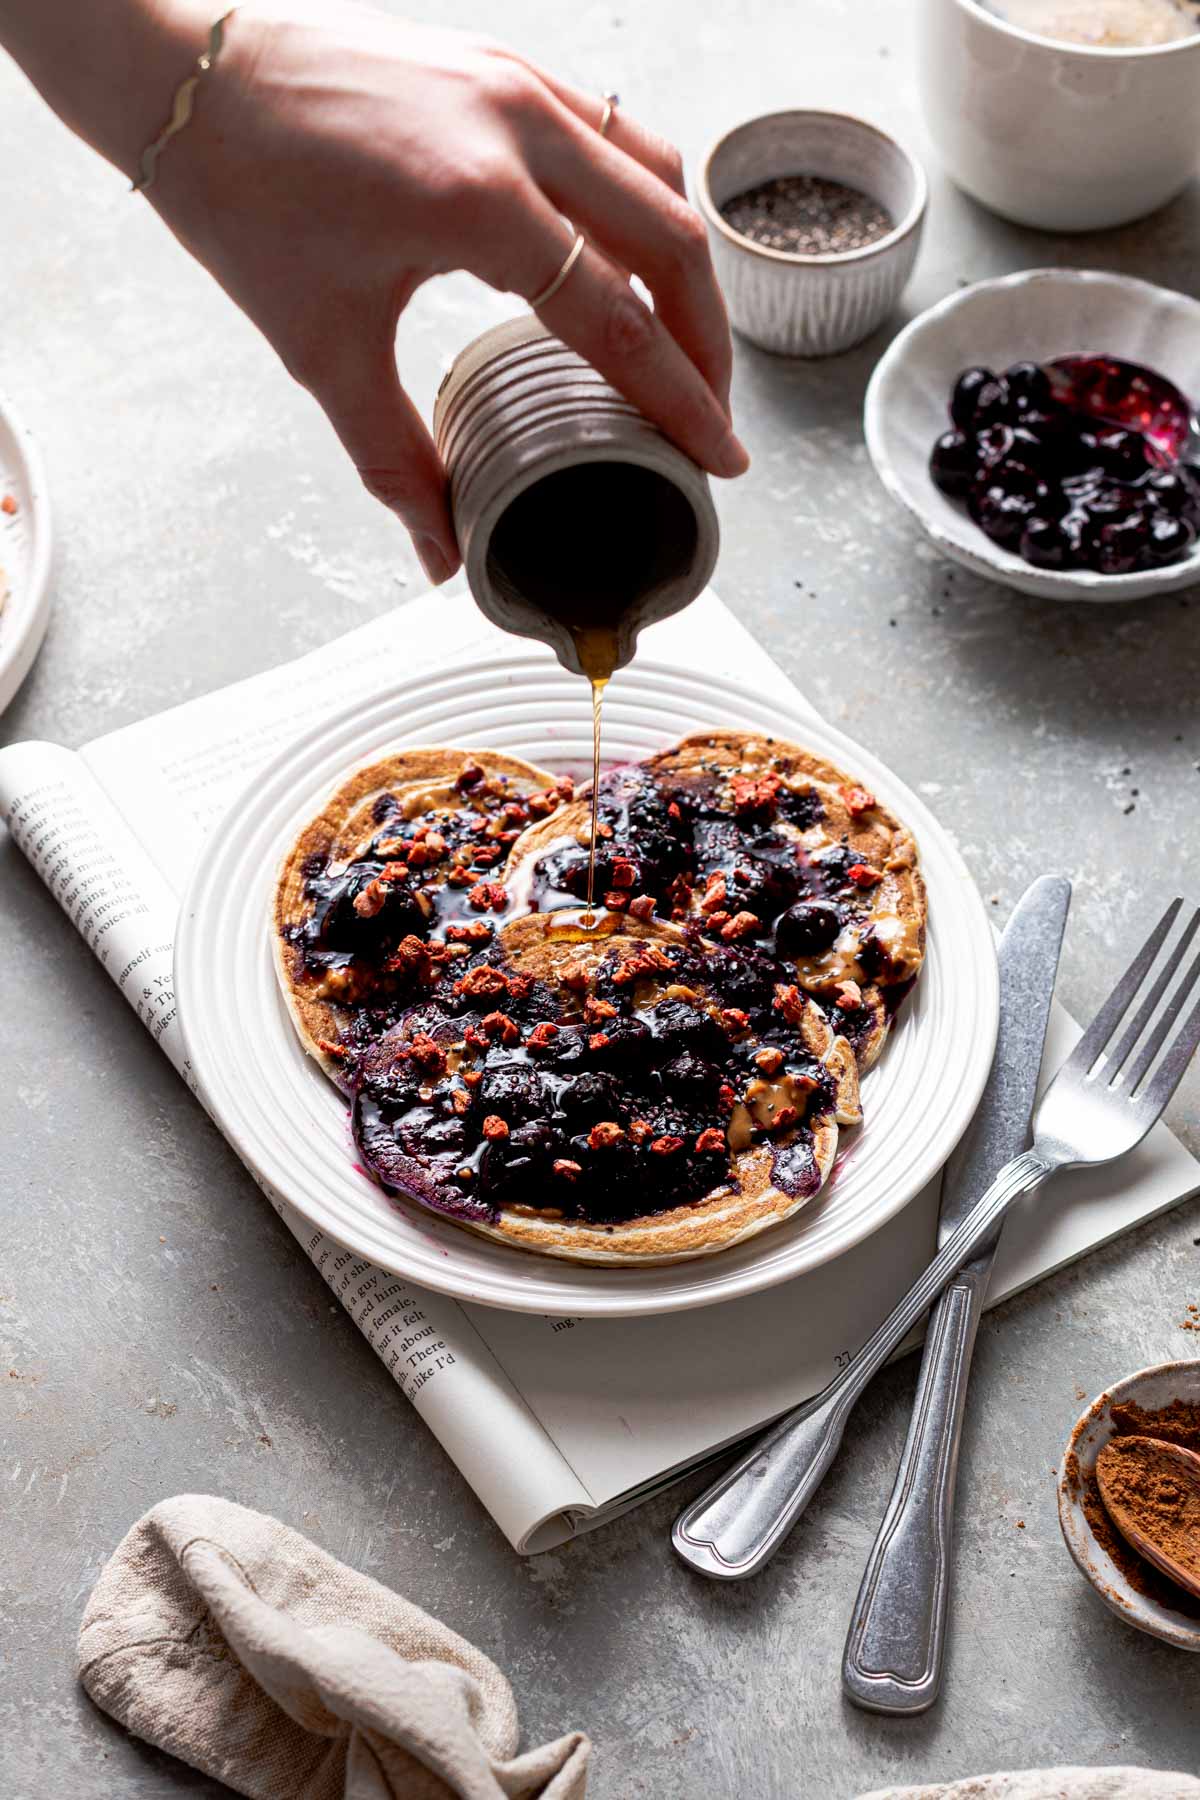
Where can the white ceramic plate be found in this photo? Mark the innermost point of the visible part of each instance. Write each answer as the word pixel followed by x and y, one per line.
pixel 1149 1388
pixel 291 1127
pixel 1031 316
pixel 25 554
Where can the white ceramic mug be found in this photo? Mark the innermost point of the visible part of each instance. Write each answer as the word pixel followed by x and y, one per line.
pixel 1066 137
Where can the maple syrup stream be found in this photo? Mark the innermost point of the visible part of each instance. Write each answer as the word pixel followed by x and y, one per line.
pixel 597 649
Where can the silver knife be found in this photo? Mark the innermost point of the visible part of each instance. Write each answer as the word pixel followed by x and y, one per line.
pixel 896 1644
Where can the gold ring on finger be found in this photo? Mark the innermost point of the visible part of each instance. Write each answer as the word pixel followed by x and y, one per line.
pixel 568 263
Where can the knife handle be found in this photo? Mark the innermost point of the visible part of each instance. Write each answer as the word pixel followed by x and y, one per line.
pixel 896 1643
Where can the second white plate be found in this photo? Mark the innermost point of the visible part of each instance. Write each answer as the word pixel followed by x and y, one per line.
pixel 291 1127
pixel 25 553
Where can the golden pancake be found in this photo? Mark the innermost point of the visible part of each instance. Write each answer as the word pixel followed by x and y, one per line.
pixel 622 1095
pixel 401 865
pixel 766 845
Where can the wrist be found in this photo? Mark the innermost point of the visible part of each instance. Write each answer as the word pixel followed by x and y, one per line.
pixel 109 71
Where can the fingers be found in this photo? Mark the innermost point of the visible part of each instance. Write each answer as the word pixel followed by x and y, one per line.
pixel 645 226
pixel 599 316
pixel 393 452
pixel 624 131
pixel 626 190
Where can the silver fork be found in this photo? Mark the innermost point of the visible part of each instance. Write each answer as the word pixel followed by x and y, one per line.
pixel 1100 1104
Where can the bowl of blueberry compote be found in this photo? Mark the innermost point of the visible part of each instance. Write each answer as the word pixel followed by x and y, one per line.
pixel 1071 468
pixel 1062 463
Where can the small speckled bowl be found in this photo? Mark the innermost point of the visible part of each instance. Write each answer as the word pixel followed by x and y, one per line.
pixel 812 305
pixel 1150 1388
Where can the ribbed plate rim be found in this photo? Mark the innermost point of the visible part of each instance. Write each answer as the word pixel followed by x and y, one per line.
pixel 287 1123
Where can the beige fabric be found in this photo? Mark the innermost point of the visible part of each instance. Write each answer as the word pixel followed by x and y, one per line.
pixel 1054 1784
pixel 230 1640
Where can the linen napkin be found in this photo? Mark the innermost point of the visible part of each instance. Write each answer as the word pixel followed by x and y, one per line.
pixel 227 1638
pixel 1054 1784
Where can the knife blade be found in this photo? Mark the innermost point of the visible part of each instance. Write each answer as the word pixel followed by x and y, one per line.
pixel 895 1648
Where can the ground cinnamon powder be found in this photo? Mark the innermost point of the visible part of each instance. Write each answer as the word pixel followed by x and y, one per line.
pixel 1178 1423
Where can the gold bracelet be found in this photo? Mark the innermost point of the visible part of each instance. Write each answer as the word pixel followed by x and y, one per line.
pixel 181 106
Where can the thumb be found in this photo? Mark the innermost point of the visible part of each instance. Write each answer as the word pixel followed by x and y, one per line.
pixel 391 448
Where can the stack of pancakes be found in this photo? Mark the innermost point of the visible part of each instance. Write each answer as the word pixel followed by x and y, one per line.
pixel 655 1081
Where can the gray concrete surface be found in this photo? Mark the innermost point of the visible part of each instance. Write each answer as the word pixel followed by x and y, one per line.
pixel 159 1330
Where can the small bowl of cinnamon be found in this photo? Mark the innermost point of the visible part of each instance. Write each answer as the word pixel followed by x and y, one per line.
pixel 1161 1404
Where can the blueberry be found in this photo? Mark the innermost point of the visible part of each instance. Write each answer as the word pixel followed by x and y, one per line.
pixel 534 1136
pixel 1108 502
pixel 691 1076
pixel 1017 477
pixel 994 442
pixel 965 395
pixel 590 1096
pixel 1046 544
pixel 991 404
pixel 807 928
pixel 1169 489
pixel 1074 526
pixel 678 1026
pixel 1000 512
pixel 1189 474
pixel 953 464
pixel 513 1090
pixel 1122 453
pixel 1030 448
pixel 1028 386
pixel 1119 545
pixel 1170 538
pixel 446 1135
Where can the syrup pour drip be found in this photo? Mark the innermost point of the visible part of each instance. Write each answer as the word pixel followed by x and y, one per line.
pixel 598 688
pixel 596 647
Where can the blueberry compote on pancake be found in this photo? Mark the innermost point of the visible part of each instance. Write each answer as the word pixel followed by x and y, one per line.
pixel 612 1086
pixel 395 880
pixel 765 846
pixel 655 1081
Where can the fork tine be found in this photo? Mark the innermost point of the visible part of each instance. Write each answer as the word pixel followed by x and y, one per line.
pixel 1159 1036
pixel 1170 1070
pixel 1146 1011
pixel 1119 1001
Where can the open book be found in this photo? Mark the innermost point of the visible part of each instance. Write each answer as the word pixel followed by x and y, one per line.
pixel 558 1424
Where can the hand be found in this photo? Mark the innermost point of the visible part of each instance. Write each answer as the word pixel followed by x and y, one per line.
pixel 336 159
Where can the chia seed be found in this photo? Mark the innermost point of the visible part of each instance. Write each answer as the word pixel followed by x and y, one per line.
pixel 806 215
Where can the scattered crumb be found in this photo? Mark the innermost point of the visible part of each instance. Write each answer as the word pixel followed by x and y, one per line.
pixel 264 1439
pixel 1020 1524
pixel 9 504
pixel 1129 808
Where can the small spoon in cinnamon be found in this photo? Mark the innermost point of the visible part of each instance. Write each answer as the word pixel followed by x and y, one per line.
pixel 1151 1492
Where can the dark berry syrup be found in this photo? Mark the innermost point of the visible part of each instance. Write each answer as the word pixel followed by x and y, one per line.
pixel 1075 466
